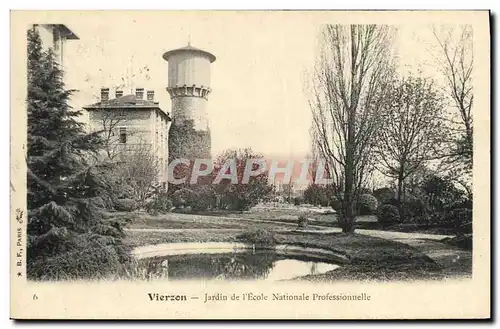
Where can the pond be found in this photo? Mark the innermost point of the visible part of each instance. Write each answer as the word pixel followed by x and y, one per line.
pixel 246 265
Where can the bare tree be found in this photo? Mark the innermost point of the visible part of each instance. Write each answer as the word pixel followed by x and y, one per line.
pixel 455 60
pixel 412 131
pixel 110 120
pixel 140 168
pixel 351 77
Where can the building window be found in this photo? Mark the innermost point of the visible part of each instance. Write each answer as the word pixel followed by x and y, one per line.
pixel 56 36
pixel 123 135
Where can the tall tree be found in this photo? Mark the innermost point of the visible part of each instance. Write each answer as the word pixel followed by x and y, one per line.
pixel 351 77
pixel 455 59
pixel 68 236
pixel 412 131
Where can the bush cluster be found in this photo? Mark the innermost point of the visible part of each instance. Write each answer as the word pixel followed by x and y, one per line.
pixel 259 237
pixel 387 215
pixel 160 204
pixel 367 204
pixel 319 195
pixel 434 201
pixel 125 205
pixel 298 201
pixel 303 221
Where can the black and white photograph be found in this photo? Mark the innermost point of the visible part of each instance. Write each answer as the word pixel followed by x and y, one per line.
pixel 248 149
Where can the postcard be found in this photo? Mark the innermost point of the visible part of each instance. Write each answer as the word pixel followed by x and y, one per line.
pixel 250 165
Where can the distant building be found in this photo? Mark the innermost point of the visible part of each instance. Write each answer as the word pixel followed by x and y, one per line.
pixel 54 36
pixel 133 121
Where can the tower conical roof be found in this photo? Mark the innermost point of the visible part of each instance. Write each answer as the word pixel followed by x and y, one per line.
pixel 189 49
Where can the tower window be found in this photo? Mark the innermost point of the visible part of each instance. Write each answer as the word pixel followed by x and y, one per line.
pixel 123 135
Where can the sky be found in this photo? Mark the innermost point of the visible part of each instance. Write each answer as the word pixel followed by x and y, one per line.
pixel 258 98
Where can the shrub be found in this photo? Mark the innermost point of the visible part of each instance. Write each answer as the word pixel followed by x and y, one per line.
pixel 303 221
pixel 367 204
pixel 298 201
pixel 460 220
pixel 387 214
pixel 461 241
pixel 336 204
pixel 200 204
pixel 181 198
pixel 160 204
pixel 318 195
pixel 415 210
pixel 203 198
pixel 125 205
pixel 441 194
pixel 383 195
pixel 258 237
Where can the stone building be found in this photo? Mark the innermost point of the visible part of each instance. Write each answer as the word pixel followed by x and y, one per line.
pixel 129 122
pixel 54 36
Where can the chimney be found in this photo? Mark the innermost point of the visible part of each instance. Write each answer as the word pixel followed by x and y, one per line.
pixel 104 94
pixel 151 95
pixel 139 93
pixel 118 93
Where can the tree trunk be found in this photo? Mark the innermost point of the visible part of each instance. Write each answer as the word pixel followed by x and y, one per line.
pixel 347 224
pixel 348 204
pixel 400 194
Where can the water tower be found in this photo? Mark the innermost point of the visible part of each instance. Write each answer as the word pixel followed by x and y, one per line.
pixel 189 87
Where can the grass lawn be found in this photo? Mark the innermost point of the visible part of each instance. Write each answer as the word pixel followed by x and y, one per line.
pixel 370 258
pixel 137 238
pixel 289 216
pixel 140 220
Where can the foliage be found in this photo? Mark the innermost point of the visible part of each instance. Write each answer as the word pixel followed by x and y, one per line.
pixel 383 195
pixel 416 210
pixel 259 237
pixel 185 142
pixel 318 195
pixel 197 197
pixel 336 204
pixel 298 201
pixel 460 219
pixel 68 234
pixel 125 205
pixel 303 221
pixel 367 204
pixel 388 214
pixel 182 197
pixel 160 203
pixel 441 195
pixel 236 194
pixel 461 241
pixel 202 198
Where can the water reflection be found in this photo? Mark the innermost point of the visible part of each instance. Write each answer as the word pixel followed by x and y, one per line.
pixel 234 266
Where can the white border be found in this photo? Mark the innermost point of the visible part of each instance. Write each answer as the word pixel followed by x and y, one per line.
pixel 147 4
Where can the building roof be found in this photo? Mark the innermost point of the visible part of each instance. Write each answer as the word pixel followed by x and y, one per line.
pixel 125 102
pixel 189 49
pixel 66 32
